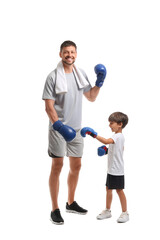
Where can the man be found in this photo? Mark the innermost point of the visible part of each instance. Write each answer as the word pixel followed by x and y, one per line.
pixel 63 92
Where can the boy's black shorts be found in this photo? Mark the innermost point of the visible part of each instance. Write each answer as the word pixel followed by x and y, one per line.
pixel 115 182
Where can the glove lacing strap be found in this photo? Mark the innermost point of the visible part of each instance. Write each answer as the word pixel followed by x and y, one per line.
pixel 91 134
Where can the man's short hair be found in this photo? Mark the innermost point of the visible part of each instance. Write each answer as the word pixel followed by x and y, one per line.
pixel 67 44
pixel 119 117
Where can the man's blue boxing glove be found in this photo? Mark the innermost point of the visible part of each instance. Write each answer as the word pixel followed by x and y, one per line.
pixel 101 72
pixel 67 132
pixel 103 150
pixel 89 131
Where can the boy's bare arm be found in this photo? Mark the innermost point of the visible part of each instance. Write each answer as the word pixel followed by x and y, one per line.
pixel 104 140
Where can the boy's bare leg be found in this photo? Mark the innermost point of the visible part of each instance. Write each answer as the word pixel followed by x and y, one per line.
pixel 108 198
pixel 123 200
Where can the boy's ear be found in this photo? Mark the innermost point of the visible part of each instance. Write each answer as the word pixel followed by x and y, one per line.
pixel 120 124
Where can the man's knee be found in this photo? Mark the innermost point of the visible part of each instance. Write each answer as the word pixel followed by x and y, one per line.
pixel 57 165
pixel 75 166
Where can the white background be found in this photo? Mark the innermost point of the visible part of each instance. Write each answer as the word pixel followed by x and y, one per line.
pixel 124 36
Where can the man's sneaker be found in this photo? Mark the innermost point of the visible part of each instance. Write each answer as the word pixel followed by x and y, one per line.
pixel 124 217
pixel 75 208
pixel 104 214
pixel 56 217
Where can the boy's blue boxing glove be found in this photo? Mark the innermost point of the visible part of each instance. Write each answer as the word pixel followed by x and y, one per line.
pixel 101 72
pixel 103 150
pixel 67 132
pixel 89 131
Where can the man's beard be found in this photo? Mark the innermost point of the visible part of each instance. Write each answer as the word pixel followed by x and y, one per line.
pixel 67 62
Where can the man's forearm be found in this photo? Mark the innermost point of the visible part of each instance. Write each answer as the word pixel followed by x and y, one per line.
pixel 94 93
pixel 51 112
pixel 52 115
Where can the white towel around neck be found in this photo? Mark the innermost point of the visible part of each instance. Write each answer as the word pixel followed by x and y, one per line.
pixel 61 82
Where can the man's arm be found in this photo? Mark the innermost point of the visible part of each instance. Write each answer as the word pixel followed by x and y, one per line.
pixel 66 131
pixel 92 94
pixel 52 114
pixel 101 72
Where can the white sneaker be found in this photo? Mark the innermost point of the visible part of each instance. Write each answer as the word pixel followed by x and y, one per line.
pixel 124 217
pixel 104 214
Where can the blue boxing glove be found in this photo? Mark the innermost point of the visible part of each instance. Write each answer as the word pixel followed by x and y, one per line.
pixel 101 72
pixel 67 132
pixel 103 150
pixel 89 131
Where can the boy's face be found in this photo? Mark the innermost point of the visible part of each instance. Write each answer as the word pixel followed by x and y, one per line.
pixel 115 127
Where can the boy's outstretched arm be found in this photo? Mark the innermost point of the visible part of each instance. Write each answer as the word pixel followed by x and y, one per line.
pixel 92 133
pixel 104 140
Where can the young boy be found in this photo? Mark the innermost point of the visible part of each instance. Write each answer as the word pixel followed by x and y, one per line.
pixel 115 174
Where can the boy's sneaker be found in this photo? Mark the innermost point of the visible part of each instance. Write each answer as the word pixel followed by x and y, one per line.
pixel 56 217
pixel 104 214
pixel 124 217
pixel 75 208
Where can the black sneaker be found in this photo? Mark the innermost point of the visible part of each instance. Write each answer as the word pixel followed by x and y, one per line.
pixel 75 208
pixel 56 217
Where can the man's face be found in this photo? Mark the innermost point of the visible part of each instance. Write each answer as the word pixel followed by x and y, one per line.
pixel 68 55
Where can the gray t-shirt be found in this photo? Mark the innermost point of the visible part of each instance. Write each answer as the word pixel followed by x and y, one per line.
pixel 67 105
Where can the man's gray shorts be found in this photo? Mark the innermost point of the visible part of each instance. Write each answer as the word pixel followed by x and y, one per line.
pixel 59 147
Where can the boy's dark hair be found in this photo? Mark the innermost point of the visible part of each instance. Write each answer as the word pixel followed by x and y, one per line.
pixel 67 44
pixel 119 117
